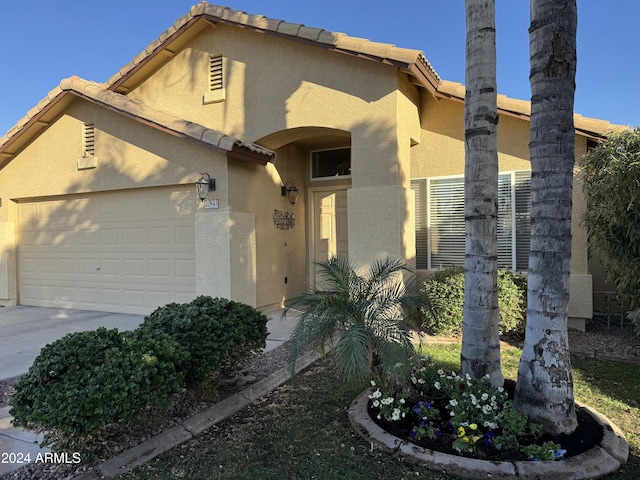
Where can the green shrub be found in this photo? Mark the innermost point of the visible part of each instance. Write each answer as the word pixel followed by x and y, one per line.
pixel 634 317
pixel 88 380
pixel 444 291
pixel 209 329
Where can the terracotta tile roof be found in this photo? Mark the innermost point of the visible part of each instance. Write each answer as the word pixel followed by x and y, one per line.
pixel 591 127
pixel 406 58
pixel 412 61
pixel 97 93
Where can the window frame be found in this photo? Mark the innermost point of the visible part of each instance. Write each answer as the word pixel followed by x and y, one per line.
pixel 516 178
pixel 327 178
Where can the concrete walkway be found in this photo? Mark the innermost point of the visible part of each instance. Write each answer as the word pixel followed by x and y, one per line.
pixel 25 330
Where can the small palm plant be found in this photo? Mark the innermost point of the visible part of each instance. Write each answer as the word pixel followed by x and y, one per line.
pixel 362 316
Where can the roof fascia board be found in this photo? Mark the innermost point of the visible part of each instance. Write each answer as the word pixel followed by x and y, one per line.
pixel 36 123
pixel 238 148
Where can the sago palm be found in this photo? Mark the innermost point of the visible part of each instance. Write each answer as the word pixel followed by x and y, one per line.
pixel 362 315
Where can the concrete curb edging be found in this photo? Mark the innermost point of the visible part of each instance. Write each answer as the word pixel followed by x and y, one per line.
pixel 191 427
pixel 612 453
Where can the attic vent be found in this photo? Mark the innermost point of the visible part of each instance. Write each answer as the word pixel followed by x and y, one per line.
pixel 89 140
pixel 215 73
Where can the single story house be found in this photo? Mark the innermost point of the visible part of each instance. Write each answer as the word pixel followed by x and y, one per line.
pixel 317 143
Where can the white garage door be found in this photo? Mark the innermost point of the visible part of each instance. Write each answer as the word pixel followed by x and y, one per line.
pixel 127 252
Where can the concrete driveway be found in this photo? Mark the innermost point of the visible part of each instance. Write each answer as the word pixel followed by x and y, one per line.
pixel 25 330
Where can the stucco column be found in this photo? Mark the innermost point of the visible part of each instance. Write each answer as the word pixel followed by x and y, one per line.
pixel 381 224
pixel 381 203
pixel 226 255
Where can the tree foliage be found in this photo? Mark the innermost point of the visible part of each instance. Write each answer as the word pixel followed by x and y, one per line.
pixel 612 190
pixel 362 314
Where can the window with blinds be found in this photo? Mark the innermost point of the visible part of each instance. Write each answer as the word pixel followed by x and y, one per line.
pixel 440 229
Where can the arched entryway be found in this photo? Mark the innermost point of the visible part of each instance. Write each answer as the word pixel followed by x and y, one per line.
pixel 315 160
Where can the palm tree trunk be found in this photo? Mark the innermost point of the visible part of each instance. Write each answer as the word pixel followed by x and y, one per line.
pixel 545 386
pixel 480 339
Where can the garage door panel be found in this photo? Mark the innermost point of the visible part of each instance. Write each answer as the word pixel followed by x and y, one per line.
pixel 124 252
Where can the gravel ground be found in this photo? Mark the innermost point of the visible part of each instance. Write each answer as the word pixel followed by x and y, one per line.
pixel 185 405
pixel 604 343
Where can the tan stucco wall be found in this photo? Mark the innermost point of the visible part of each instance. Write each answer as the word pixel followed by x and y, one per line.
pixel 280 254
pixel 441 151
pixel 274 85
pixel 128 155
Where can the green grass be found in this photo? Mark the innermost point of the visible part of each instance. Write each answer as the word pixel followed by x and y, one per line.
pixel 303 432
pixel 612 388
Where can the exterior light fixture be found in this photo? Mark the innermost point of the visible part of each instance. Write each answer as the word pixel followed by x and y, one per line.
pixel 205 185
pixel 291 191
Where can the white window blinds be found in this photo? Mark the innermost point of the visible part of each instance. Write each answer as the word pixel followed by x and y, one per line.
pixel 440 230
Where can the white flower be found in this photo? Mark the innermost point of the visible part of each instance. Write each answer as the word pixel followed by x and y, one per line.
pixel 396 414
pixel 440 372
pixel 468 377
pixel 376 403
pixel 437 385
pixel 402 401
pixel 414 379
pixel 453 402
pixel 486 409
pixel 421 381
pixel 373 383
pixel 485 396
pixel 453 414
pixel 474 400
pixel 500 389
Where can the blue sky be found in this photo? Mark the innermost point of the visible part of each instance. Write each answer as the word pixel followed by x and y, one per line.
pixel 44 41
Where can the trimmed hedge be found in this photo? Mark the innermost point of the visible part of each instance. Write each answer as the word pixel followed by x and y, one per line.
pixel 208 329
pixel 87 381
pixel 444 292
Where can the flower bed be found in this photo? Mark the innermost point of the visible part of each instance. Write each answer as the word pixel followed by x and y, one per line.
pixel 467 427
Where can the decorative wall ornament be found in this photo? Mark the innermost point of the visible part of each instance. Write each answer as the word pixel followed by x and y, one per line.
pixel 283 220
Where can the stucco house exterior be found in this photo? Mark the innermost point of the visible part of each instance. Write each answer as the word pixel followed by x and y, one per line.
pixel 98 203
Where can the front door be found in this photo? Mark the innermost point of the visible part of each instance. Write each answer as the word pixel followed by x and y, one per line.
pixel 330 229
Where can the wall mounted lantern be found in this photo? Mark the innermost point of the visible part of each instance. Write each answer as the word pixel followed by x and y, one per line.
pixel 291 191
pixel 205 185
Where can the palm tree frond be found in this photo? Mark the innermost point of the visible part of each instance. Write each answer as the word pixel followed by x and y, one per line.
pixel 364 312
